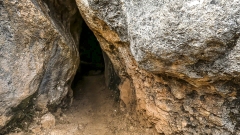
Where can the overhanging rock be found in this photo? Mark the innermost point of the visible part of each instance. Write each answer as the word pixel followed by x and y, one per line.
pixel 178 60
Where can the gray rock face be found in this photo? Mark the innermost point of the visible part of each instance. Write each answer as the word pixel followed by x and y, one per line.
pixel 166 34
pixel 178 59
pixel 38 57
pixel 181 33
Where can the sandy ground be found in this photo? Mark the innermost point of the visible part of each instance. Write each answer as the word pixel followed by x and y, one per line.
pixel 94 112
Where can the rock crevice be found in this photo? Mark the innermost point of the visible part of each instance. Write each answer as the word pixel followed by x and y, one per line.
pixel 176 63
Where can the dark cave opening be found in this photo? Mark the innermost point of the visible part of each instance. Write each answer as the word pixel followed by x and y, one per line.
pixel 91 55
pixel 94 62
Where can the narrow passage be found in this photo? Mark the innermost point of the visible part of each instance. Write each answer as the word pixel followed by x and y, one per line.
pixel 95 109
pixel 96 112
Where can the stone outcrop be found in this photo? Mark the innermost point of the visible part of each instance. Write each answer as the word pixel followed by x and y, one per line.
pixel 38 56
pixel 178 60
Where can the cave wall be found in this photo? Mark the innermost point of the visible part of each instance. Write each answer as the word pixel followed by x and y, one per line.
pixel 38 56
pixel 177 60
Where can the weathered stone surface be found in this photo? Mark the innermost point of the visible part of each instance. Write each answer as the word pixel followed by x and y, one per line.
pixel 38 56
pixel 178 61
pixel 181 58
pixel 47 121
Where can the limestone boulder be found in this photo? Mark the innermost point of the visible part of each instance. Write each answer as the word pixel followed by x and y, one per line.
pixel 38 56
pixel 178 58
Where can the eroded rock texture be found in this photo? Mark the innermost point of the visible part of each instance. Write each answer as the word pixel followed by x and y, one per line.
pixel 38 55
pixel 178 60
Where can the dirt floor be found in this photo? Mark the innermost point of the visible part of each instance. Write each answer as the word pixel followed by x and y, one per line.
pixel 94 111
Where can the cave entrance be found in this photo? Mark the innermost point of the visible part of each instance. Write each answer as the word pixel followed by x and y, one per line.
pixel 91 57
pixel 96 105
pixel 95 67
